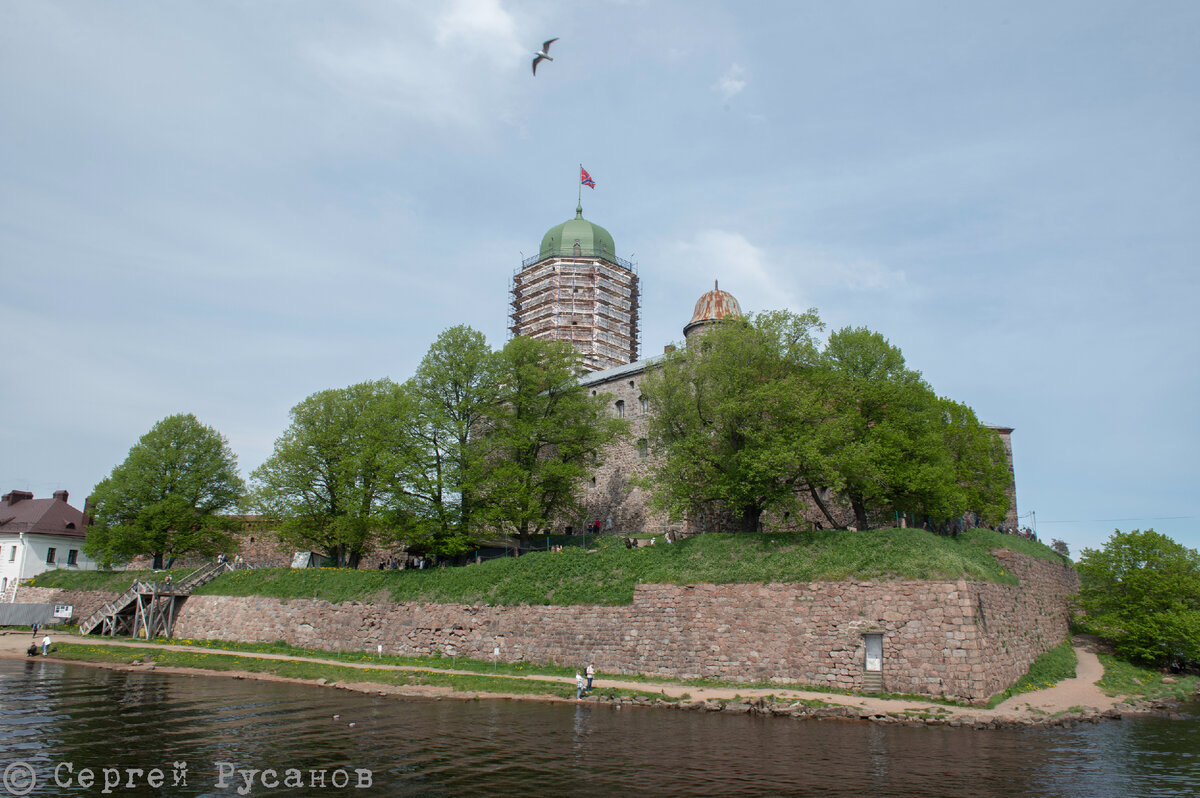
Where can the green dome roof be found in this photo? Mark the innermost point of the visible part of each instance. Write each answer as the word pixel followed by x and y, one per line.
pixel 593 240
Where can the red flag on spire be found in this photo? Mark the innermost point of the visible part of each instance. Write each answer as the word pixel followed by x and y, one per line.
pixel 585 178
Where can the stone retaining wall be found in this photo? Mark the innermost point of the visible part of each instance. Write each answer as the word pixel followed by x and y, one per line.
pixel 959 639
pixel 85 602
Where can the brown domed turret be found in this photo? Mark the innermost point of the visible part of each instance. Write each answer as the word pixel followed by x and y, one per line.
pixel 712 307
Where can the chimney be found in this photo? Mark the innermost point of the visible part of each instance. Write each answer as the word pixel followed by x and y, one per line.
pixel 60 496
pixel 15 496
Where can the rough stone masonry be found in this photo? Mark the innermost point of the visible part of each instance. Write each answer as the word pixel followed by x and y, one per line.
pixel 959 639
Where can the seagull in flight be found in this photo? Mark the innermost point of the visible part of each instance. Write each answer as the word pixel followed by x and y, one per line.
pixel 542 54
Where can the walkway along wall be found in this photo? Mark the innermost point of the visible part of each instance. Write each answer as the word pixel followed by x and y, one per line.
pixel 966 640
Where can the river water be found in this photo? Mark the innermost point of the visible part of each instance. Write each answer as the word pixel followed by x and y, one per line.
pixel 75 718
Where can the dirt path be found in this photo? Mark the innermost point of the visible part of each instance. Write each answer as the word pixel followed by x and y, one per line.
pixel 1076 692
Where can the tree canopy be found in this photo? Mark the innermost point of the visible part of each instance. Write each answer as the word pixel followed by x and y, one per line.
pixel 166 498
pixel 753 416
pixel 1141 592
pixel 477 444
pixel 454 389
pixel 540 439
pixel 330 471
pixel 731 413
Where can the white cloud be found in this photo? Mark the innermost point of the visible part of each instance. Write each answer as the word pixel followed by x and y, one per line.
pixel 731 83
pixel 451 67
pixel 762 278
pixel 481 25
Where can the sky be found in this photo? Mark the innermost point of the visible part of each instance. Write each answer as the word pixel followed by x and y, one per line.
pixel 221 208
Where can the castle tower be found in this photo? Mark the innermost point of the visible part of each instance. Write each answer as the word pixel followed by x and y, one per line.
pixel 711 308
pixel 576 289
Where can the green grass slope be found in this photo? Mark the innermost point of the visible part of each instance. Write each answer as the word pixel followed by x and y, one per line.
pixel 608 574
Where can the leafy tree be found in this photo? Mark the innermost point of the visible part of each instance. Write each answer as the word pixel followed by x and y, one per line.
pixel 540 438
pixel 1141 592
pixel 752 417
pixel 328 478
pixel 164 499
pixel 1060 546
pixel 734 417
pixel 454 389
pixel 890 443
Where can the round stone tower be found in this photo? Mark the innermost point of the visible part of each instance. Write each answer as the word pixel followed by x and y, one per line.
pixel 577 290
pixel 711 308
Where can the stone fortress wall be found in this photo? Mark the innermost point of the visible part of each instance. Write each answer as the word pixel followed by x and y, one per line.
pixel 957 639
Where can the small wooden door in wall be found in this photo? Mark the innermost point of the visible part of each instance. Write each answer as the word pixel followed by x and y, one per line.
pixel 874 646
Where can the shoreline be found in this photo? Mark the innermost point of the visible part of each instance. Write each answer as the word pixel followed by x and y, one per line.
pixel 1056 706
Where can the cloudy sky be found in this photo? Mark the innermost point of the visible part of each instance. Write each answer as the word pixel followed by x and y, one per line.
pixel 223 207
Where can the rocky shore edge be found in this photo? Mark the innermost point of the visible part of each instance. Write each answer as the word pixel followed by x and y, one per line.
pixel 954 717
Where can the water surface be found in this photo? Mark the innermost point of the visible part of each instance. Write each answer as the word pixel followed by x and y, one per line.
pixel 94 718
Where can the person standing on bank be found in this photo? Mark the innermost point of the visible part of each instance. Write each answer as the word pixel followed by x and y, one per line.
pixel 578 686
pixel 45 645
pixel 591 674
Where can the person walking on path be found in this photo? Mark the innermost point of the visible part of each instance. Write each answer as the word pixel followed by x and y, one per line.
pixel 591 674
pixel 45 645
pixel 35 628
pixel 578 686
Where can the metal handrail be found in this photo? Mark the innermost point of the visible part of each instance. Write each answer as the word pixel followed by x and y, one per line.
pixel 569 252
pixel 201 576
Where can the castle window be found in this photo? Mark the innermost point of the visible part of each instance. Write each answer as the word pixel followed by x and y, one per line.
pixel 578 251
pixel 631 383
pixel 645 404
pixel 643 449
pixel 12 555
pixel 50 556
pixel 620 408
pixel 593 482
pixel 73 557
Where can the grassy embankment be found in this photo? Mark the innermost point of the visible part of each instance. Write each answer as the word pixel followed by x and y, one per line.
pixel 1124 678
pixel 608 574
pixel 1047 670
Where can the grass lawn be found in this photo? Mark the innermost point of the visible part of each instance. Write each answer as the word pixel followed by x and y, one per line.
pixel 1124 678
pixel 608 574
pixel 112 581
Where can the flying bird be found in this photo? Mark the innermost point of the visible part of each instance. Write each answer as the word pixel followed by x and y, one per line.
pixel 542 54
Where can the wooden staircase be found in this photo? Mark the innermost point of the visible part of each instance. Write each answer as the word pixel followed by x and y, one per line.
pixel 148 608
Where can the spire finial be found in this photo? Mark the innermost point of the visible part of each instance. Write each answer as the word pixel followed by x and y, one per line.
pixel 715 285
pixel 579 210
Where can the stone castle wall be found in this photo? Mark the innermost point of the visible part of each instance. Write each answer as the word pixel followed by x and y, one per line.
pixel 84 602
pixel 959 639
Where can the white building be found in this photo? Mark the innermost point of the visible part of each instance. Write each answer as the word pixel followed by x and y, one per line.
pixel 37 535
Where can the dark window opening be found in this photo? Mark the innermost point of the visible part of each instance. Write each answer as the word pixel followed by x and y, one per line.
pixel 50 556
pixel 73 557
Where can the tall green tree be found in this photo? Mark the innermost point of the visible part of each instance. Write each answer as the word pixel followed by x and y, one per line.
pixel 890 444
pixel 1141 592
pixel 452 393
pixel 165 499
pixel 734 417
pixel 540 439
pixel 328 479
